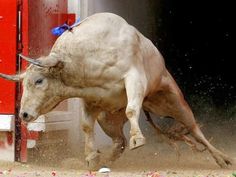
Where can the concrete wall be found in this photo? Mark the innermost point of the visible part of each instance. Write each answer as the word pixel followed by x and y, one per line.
pixel 141 13
pixel 137 13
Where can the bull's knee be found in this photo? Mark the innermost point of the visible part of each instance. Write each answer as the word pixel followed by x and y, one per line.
pixel 87 128
pixel 130 112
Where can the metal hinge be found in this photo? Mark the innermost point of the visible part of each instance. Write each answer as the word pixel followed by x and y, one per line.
pixel 19 26
pixel 19 5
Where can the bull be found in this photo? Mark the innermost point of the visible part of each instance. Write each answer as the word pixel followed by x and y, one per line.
pixel 116 71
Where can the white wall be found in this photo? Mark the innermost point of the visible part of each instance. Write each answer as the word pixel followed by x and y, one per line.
pixel 74 7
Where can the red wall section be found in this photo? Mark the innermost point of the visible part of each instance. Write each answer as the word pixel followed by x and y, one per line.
pixel 44 15
pixel 8 29
pixel 39 17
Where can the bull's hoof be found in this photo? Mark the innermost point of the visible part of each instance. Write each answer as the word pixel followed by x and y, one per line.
pixel 222 160
pixel 93 160
pixel 136 142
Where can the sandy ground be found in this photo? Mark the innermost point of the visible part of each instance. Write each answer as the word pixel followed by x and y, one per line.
pixel 155 156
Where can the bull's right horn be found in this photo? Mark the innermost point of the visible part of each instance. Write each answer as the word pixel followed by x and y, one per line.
pixel 15 78
pixel 30 60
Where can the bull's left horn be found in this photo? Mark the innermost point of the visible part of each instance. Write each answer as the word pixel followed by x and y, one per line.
pixel 48 61
pixel 30 60
pixel 15 78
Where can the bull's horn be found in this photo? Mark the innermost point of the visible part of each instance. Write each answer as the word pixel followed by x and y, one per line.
pixel 49 61
pixel 15 78
pixel 30 60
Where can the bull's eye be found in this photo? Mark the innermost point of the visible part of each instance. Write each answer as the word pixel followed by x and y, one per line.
pixel 39 81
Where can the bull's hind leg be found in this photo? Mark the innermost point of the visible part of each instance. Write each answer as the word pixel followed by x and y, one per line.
pixel 186 116
pixel 112 125
pixel 135 86
pixel 173 104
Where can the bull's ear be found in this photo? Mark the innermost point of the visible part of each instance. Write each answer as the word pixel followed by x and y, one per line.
pixel 15 78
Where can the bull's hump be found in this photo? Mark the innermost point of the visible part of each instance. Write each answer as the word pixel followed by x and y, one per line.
pixel 98 27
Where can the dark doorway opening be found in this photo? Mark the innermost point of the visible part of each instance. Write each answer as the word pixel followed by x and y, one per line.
pixel 196 39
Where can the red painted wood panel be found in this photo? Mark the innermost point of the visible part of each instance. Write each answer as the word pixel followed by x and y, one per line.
pixel 8 31
pixel 39 17
pixel 44 15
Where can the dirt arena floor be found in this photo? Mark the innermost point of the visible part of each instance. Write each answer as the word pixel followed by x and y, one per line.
pixel 155 159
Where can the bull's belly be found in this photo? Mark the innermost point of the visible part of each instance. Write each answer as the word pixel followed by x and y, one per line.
pixel 107 100
pixel 111 105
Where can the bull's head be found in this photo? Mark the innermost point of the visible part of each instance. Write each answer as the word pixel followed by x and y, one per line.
pixel 42 87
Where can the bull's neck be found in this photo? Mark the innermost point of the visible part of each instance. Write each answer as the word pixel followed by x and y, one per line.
pixel 72 92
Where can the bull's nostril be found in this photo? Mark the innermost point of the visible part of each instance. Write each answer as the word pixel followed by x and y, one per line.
pixel 25 115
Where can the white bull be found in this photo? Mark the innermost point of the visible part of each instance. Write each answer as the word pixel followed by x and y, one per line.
pixel 116 71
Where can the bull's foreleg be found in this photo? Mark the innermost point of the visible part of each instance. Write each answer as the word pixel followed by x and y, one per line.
pixel 91 153
pixel 135 89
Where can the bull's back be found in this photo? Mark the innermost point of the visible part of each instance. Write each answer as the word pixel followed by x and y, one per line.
pixel 103 48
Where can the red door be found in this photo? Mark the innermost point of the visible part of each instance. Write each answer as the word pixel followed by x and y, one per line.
pixel 8 50
pixel 25 26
